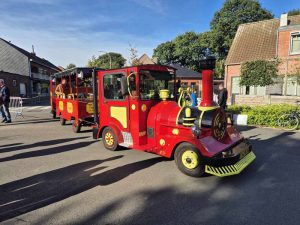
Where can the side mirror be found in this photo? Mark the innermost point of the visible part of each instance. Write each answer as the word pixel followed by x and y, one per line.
pixel 124 86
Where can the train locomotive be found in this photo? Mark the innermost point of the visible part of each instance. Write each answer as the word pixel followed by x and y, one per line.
pixel 137 108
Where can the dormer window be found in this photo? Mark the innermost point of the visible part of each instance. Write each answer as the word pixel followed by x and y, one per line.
pixel 295 43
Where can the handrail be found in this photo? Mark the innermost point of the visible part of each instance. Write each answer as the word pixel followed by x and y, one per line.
pixel 183 91
pixel 128 83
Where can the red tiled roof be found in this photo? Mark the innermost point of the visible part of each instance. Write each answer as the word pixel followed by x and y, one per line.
pixel 256 40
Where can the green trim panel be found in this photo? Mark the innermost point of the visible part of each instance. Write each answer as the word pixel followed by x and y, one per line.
pixel 234 169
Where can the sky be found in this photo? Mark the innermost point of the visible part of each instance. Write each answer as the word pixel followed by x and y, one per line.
pixel 72 31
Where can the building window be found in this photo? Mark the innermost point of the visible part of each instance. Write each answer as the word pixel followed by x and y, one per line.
pixel 14 83
pixel 235 85
pixel 295 43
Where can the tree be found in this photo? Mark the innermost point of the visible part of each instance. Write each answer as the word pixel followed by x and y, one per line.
pixel 219 70
pixel 294 12
pixel 186 49
pixel 258 73
pixel 226 21
pixel 133 61
pixel 70 66
pixel 190 48
pixel 103 61
pixel 165 52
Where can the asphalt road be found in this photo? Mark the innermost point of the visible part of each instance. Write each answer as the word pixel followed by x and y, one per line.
pixel 49 175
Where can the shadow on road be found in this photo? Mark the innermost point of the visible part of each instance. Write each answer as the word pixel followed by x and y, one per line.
pixel 18 122
pixel 9 145
pixel 48 151
pixel 37 144
pixel 22 196
pixel 265 193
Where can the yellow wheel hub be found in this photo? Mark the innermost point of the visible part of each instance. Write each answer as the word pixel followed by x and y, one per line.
pixel 109 139
pixel 190 159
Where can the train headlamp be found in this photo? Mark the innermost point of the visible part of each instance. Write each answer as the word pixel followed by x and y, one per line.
pixel 196 130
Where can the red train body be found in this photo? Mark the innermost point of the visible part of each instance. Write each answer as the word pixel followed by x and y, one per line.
pixel 137 108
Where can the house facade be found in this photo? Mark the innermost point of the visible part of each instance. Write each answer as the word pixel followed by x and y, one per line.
pixel 24 73
pixel 275 39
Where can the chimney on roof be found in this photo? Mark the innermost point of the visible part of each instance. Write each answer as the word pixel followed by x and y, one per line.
pixel 33 52
pixel 284 20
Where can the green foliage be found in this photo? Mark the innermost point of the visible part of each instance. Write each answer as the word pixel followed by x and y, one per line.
pixel 258 73
pixel 220 68
pixel 226 21
pixel 189 47
pixel 264 115
pixel 294 12
pixel 70 66
pixel 186 49
pixel 103 61
pixel 165 52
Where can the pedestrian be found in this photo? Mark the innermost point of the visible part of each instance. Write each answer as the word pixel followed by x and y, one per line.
pixel 222 96
pixel 5 99
pixel 62 89
pixel 194 98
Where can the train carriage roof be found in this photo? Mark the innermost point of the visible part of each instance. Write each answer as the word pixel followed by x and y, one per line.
pixel 74 71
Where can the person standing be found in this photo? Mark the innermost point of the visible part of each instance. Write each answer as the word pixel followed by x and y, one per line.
pixel 222 96
pixel 5 98
pixel 194 98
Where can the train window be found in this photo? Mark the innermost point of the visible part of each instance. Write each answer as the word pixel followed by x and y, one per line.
pixel 151 82
pixel 112 86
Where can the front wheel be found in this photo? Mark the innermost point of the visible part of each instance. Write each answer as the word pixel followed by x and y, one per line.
pixel 76 126
pixel 109 139
pixel 288 122
pixel 189 161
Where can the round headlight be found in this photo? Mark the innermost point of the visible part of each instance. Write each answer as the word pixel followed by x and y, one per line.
pixel 196 130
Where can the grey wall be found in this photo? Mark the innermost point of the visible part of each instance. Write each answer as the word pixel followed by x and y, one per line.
pixel 275 89
pixel 13 61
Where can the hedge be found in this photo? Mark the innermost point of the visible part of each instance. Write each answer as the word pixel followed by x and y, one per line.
pixel 263 115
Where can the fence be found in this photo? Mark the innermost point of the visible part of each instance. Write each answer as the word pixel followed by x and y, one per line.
pixel 16 106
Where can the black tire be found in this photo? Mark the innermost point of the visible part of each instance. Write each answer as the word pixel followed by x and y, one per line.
pixel 189 161
pixel 76 126
pixel 62 121
pixel 109 139
pixel 54 115
pixel 288 122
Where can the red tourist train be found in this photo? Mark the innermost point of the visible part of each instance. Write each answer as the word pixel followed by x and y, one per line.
pixel 136 107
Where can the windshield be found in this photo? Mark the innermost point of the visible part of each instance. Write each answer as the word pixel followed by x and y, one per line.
pixel 151 82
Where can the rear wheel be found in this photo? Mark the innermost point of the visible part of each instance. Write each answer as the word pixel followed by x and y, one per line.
pixel 62 121
pixel 189 161
pixel 76 126
pixel 109 139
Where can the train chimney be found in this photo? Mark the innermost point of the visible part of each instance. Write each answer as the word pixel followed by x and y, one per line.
pixel 207 65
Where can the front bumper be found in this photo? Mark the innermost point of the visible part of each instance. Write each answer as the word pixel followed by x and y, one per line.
pixel 228 170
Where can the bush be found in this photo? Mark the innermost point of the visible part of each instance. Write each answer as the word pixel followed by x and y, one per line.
pixel 263 115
